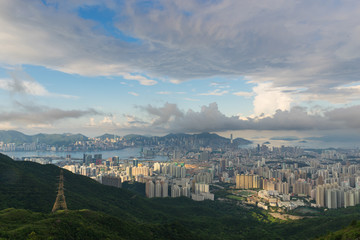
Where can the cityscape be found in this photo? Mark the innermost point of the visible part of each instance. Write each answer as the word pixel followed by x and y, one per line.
pixel 201 165
pixel 196 119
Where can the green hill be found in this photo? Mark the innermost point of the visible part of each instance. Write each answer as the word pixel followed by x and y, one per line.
pixel 350 232
pixel 31 186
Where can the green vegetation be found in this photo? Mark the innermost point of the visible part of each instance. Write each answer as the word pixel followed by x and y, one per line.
pixel 122 214
pixel 81 224
pixel 235 197
pixel 136 187
pixel 350 232
pixel 305 211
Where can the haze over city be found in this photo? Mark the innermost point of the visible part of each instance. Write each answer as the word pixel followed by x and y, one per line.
pixel 262 70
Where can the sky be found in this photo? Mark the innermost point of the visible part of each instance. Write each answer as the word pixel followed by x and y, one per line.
pixel 283 71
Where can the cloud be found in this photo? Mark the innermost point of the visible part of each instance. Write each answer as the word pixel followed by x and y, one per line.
pixel 141 79
pixel 339 137
pixel 32 114
pixel 216 92
pixel 349 116
pixel 55 37
pixel 163 114
pixel 92 122
pixel 303 43
pixel 244 94
pixel 133 93
pixel 218 84
pixel 170 118
pixel 269 99
pixel 21 83
pixel 192 99
pixel 163 93
pixel 286 138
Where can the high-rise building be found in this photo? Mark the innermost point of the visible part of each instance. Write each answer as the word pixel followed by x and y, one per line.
pixel 135 162
pixel 129 171
pixel 115 160
pixel 158 189
pixel 165 189
pixel 222 165
pixel 178 172
pixel 242 181
pixel 150 189
pixel 175 191
pixel 320 196
pixel 246 181
pixel 157 167
pixel 237 181
pixel 185 191
pixel 87 159
pixel 183 172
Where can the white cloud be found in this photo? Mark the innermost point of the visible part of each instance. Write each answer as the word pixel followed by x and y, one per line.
pixel 216 92
pixel 244 94
pixel 27 87
pixel 269 99
pixel 191 99
pixel 141 79
pixel 292 44
pixel 312 43
pixel 108 120
pixel 7 126
pixel 163 93
pixel 22 83
pixel 92 122
pixel 134 94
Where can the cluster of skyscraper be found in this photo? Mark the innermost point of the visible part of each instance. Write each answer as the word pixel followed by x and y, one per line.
pixel 157 189
pixel 334 196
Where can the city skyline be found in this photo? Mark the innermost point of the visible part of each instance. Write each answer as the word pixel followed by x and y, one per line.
pixel 279 71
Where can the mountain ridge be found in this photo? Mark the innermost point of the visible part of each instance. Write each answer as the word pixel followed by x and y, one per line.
pixel 12 136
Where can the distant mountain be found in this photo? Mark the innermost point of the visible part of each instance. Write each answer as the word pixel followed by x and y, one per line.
pixel 178 139
pixel 51 139
pixel 242 141
pixel 205 139
pixel 107 136
pixel 58 139
pixel 183 139
pixel 285 138
pixel 14 137
pixel 135 136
